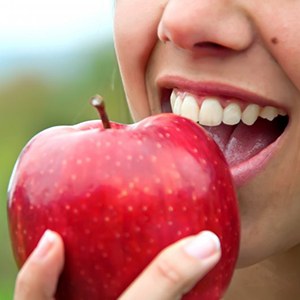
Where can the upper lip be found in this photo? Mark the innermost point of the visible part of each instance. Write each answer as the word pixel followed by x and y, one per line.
pixel 210 88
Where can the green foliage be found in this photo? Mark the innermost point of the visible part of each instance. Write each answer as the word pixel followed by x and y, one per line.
pixel 33 101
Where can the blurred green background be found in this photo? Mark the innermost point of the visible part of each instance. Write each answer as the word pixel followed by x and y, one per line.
pixel 39 89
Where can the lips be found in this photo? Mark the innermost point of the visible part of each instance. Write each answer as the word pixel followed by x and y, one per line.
pixel 247 128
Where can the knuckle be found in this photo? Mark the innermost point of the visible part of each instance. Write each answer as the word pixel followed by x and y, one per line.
pixel 170 271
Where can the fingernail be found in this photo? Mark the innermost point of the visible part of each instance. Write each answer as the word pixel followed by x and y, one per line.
pixel 204 245
pixel 45 244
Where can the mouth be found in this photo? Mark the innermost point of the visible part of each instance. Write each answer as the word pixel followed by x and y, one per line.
pixel 248 130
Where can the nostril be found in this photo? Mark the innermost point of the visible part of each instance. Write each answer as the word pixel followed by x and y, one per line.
pixel 209 45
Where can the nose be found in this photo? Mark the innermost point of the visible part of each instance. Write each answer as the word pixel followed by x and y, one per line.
pixel 209 24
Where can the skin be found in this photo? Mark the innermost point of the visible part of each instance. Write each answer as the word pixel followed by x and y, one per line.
pixel 179 38
pixel 225 41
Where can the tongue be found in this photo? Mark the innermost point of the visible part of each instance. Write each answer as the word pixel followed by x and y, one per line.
pixel 241 142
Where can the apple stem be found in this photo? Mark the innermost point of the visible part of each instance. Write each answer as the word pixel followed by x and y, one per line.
pixel 98 102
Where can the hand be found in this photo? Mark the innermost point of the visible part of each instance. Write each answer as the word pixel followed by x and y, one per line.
pixel 170 275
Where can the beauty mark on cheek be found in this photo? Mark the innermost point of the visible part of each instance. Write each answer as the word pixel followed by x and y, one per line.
pixel 274 40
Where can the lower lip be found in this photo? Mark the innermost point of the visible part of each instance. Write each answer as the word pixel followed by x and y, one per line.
pixel 245 171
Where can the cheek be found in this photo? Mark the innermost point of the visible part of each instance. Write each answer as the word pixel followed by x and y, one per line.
pixel 282 37
pixel 135 34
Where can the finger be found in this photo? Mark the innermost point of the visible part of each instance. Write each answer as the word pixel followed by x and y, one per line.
pixel 176 269
pixel 37 280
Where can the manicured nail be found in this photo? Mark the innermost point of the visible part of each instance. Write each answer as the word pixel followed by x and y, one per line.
pixel 45 244
pixel 204 245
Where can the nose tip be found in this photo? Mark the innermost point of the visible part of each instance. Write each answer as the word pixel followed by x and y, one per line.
pixel 205 24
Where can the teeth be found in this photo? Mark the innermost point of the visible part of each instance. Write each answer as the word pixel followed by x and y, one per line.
pixel 232 114
pixel 173 98
pixel 250 114
pixel 190 108
pixel 211 113
pixel 269 113
pixel 177 106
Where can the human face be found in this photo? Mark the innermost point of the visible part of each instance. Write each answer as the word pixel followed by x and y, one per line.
pixel 236 51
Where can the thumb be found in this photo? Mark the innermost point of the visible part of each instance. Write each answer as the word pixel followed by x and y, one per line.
pixel 37 280
pixel 176 269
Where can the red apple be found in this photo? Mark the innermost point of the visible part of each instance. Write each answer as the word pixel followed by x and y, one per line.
pixel 118 196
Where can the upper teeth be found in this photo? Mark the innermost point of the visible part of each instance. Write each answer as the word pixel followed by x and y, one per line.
pixel 211 112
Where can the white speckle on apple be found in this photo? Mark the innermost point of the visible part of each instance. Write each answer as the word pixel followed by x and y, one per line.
pixel 19 208
pixel 131 185
pixel 88 159
pixel 145 208
pixel 158 145
pixel 204 189
pixel 78 161
pixel 168 135
pixel 129 157
pixel 136 179
pixel 139 142
pixel 146 189
pixel 88 195
pixel 51 171
pixel 118 163
pixel 161 135
pixel 184 208
pixel 203 160
pixel 75 211
pixel 179 233
pixel 169 191
pixel 64 162
pixel 130 208
pixel 73 177
pixel 107 157
pixel 141 157
pixel 177 129
pixel 124 193
pixel 153 158
pixel 98 144
pixel 107 219
pixel 170 208
pixel 108 144
pixel 157 180
pixel 170 223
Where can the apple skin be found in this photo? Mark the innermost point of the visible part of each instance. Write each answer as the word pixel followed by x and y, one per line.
pixel 118 197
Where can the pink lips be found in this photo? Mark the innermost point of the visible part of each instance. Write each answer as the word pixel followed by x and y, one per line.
pixel 244 170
